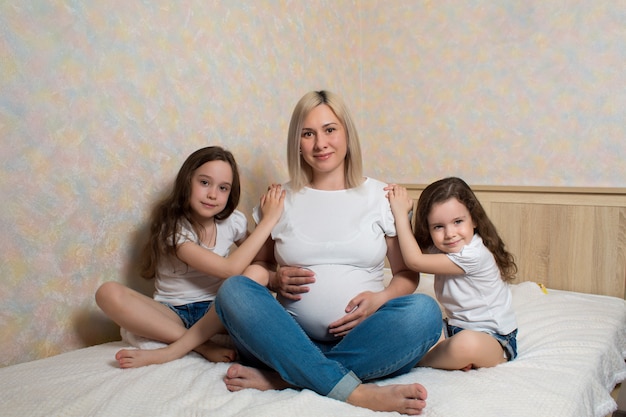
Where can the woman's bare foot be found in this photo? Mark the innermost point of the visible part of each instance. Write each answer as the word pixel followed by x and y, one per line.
pixel 135 358
pixel 239 377
pixel 405 399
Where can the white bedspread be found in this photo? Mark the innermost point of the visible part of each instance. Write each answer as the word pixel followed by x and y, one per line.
pixel 571 354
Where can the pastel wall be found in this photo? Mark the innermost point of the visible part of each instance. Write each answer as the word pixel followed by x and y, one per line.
pixel 508 92
pixel 100 103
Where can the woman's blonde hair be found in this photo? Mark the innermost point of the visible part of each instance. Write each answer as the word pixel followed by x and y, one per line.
pixel 300 172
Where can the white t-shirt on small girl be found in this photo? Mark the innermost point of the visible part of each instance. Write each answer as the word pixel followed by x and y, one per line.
pixel 177 283
pixel 479 299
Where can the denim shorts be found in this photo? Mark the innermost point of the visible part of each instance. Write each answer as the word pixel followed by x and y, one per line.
pixel 190 313
pixel 508 342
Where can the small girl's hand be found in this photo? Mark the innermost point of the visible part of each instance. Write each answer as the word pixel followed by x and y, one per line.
pixel 272 202
pixel 399 200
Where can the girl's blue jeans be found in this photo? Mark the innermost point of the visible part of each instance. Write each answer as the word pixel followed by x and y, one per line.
pixel 390 342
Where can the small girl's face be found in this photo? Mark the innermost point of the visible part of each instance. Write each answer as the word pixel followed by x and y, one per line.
pixel 210 189
pixel 451 226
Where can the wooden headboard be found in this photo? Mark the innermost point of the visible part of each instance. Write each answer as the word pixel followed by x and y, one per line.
pixel 565 238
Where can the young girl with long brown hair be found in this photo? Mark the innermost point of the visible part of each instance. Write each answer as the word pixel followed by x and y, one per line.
pixel 191 234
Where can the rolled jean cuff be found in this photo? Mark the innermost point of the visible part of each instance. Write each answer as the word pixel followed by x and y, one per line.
pixel 344 387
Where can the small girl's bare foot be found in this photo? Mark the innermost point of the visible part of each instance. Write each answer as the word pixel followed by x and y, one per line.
pixel 405 399
pixel 135 358
pixel 239 377
pixel 216 353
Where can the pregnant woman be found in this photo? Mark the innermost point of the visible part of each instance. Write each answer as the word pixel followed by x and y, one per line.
pixel 348 328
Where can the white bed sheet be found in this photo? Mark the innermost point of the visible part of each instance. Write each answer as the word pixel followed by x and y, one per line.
pixel 571 354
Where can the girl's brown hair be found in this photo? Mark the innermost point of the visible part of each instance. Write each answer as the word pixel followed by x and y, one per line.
pixel 167 215
pixel 447 188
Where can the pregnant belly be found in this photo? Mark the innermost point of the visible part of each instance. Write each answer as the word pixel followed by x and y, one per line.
pixel 328 297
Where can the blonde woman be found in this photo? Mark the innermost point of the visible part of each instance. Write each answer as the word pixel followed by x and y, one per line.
pixel 344 328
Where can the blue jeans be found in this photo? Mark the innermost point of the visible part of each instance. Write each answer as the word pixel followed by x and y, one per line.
pixel 390 342
pixel 507 341
pixel 190 313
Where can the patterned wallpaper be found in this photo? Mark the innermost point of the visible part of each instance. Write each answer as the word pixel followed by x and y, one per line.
pixel 100 103
pixel 505 92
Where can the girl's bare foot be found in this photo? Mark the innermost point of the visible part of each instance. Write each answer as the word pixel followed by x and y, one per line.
pixel 405 399
pixel 214 352
pixel 239 377
pixel 135 358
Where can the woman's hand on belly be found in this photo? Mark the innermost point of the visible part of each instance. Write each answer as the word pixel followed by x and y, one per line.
pixel 291 282
pixel 358 309
pixel 336 291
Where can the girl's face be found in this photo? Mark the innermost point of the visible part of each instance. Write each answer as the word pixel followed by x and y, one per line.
pixel 210 189
pixel 451 225
pixel 323 141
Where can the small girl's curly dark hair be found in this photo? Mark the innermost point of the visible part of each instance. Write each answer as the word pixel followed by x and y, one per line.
pixel 452 187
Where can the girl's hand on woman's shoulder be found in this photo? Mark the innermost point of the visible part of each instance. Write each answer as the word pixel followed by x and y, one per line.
pixel 272 202
pixel 399 199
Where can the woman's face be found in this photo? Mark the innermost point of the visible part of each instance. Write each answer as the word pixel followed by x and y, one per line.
pixel 323 141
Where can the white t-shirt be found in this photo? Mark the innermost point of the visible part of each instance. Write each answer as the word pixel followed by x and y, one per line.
pixel 340 235
pixel 177 283
pixel 479 299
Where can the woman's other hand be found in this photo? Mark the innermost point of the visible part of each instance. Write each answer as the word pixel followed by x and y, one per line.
pixel 358 309
pixel 291 281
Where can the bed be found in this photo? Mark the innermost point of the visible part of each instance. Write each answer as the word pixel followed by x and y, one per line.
pixel 569 299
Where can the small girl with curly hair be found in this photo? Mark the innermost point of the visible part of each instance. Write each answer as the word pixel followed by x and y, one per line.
pixel 471 268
